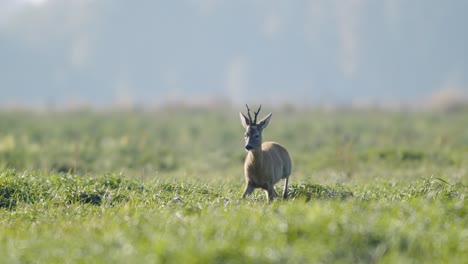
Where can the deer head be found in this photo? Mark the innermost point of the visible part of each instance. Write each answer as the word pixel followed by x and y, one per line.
pixel 253 130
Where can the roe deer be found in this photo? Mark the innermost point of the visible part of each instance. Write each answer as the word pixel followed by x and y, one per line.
pixel 266 163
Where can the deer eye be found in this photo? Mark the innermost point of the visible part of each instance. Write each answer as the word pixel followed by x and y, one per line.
pixel 256 136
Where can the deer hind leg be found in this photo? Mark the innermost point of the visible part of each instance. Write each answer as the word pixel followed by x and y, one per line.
pixel 249 188
pixel 285 190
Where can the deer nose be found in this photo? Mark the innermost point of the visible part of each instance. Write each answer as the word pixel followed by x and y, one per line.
pixel 248 147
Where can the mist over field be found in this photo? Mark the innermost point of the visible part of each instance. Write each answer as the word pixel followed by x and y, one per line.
pixel 90 52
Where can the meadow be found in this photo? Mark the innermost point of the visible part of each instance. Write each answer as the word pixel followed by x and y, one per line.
pixel 368 186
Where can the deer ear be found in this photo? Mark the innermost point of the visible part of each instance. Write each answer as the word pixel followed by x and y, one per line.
pixel 244 120
pixel 264 122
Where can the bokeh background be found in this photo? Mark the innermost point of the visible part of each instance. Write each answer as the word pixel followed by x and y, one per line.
pixel 108 53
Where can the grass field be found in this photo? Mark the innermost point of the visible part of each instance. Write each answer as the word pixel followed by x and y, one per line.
pixel 164 187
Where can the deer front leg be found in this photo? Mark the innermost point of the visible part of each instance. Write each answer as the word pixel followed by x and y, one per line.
pixel 249 188
pixel 271 193
pixel 275 194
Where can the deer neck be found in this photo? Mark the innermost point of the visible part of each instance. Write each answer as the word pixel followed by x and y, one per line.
pixel 257 156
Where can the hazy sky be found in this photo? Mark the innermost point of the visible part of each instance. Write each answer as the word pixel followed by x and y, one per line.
pixel 103 51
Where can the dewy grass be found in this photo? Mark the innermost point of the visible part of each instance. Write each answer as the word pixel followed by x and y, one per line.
pixel 160 221
pixel 135 188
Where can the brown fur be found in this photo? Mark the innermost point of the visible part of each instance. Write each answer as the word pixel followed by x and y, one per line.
pixel 266 166
pixel 266 163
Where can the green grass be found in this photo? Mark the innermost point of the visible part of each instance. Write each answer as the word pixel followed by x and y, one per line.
pixel 127 187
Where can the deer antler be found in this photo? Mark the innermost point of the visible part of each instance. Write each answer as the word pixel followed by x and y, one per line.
pixel 256 114
pixel 248 113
